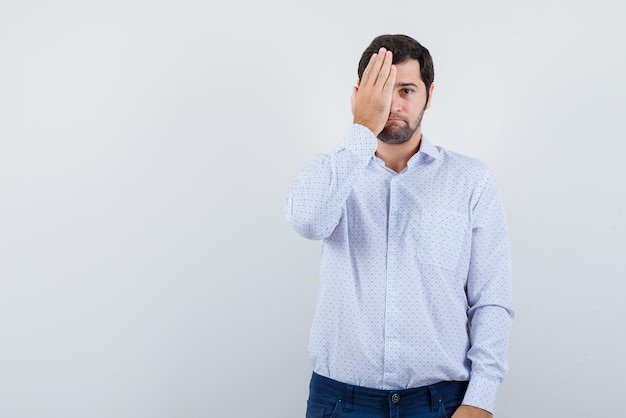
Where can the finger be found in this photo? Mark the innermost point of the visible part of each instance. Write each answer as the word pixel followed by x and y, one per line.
pixel 377 66
pixel 373 68
pixel 385 69
pixel 390 82
pixel 368 69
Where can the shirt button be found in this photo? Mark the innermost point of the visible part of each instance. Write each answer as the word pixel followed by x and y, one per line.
pixel 395 398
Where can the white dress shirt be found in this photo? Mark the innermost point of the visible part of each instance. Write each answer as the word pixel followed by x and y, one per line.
pixel 415 276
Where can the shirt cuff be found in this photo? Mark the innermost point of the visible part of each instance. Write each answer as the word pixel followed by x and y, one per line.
pixel 481 393
pixel 360 141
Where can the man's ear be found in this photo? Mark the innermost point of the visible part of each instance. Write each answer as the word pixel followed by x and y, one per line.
pixel 430 95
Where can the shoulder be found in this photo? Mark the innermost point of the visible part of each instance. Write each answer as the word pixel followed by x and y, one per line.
pixel 462 164
pixel 458 171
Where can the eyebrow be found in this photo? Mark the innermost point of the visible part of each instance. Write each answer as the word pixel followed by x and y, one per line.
pixel 407 85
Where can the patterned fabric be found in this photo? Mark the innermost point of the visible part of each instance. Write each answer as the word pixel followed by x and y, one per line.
pixel 415 276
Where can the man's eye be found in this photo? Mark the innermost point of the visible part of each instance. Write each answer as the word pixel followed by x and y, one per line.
pixel 407 91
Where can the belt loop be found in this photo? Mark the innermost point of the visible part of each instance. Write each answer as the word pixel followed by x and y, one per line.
pixel 347 406
pixel 435 399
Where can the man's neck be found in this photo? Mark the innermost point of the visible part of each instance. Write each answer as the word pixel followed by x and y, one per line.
pixel 396 156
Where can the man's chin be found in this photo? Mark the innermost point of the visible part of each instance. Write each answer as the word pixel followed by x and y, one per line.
pixel 392 139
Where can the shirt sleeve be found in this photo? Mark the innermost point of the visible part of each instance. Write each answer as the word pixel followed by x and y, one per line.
pixel 318 194
pixel 489 294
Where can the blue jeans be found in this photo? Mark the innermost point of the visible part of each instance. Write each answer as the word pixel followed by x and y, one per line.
pixel 332 399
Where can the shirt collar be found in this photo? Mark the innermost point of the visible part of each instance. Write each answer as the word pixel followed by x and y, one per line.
pixel 427 151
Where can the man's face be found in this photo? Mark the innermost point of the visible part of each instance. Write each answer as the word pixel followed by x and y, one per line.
pixel 407 104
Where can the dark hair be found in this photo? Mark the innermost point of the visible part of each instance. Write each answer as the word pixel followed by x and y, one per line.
pixel 403 48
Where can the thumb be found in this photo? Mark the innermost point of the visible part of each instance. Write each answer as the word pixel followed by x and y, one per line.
pixel 355 89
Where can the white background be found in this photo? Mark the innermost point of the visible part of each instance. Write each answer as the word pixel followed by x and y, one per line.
pixel 146 148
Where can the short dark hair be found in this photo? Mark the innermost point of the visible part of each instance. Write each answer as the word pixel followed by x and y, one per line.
pixel 403 48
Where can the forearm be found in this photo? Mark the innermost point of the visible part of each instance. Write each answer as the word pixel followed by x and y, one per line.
pixel 489 334
pixel 317 196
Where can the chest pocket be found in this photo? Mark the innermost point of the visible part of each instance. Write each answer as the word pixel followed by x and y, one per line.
pixel 441 236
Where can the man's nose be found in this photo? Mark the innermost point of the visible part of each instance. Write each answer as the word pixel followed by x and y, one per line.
pixel 395 104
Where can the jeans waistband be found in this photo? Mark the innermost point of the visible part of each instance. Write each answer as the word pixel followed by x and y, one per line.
pixel 379 397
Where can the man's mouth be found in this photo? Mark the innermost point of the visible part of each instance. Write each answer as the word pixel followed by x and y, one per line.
pixel 396 119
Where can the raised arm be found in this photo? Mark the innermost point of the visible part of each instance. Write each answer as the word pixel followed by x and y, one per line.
pixel 317 196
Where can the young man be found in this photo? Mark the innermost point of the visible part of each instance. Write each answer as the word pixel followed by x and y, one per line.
pixel 414 305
